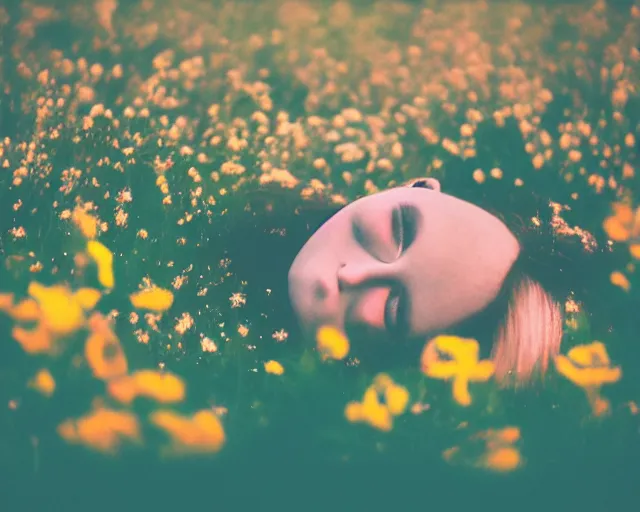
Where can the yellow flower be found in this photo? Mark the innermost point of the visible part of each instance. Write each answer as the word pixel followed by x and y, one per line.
pixel 462 364
pixel 588 366
pixel 374 412
pixel 60 312
pixel 370 411
pixel 396 397
pixel 332 343
pixel 104 260
pixel 57 310
pixel 154 299
pixel 273 367
pixel 87 298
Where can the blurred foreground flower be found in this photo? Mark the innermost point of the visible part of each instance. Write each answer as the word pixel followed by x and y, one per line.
pixel 43 382
pixel 376 413
pixel 60 311
pixel 85 222
pixel 200 433
pixel 331 343
pixel 104 261
pixel 102 430
pixel 624 226
pixel 103 350
pixel 503 459
pixel 154 299
pixel 273 367
pixel 453 358
pixel 56 310
pixel 618 279
pixel 499 454
pixel 499 437
pixel 162 387
pixel 588 366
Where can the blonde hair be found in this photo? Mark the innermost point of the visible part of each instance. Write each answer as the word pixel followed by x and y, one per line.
pixel 529 335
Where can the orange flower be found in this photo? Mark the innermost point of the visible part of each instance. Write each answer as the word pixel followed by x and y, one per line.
pixel 34 341
pixel 103 350
pixel 499 454
pixel 86 223
pixel 618 279
pixel 624 224
pixel 57 310
pixel 500 437
pixel 6 301
pixel 162 387
pixel 502 459
pixel 43 382
pixel 103 429
pixel 200 433
pixel 25 311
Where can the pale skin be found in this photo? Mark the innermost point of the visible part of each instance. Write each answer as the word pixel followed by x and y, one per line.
pixel 402 263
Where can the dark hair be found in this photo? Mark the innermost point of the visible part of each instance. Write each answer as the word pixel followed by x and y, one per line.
pixel 523 326
pixel 262 238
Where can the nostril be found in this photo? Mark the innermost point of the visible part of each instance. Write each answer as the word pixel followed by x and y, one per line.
pixel 340 277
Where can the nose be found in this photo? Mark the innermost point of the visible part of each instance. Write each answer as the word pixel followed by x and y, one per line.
pixel 352 275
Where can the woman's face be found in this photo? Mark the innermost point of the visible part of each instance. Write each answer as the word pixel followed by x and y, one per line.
pixel 401 263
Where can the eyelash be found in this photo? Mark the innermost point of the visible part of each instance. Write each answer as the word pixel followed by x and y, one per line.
pixel 403 216
pixel 402 228
pixel 397 217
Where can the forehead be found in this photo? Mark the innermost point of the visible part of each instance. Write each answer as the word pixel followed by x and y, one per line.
pixel 389 197
pixel 450 211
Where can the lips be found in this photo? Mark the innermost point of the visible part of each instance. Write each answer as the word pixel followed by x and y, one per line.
pixel 368 307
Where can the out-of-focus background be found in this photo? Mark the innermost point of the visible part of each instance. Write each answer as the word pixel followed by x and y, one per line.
pixel 130 133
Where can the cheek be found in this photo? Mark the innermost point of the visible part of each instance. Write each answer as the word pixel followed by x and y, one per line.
pixel 375 235
pixel 325 247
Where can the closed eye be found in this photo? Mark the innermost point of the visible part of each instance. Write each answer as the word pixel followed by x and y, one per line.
pixel 387 245
pixel 403 226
